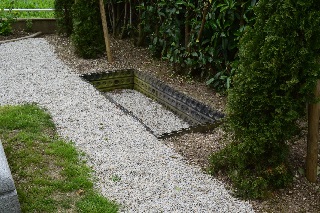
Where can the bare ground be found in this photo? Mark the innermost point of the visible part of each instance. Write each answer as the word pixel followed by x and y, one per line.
pixel 301 196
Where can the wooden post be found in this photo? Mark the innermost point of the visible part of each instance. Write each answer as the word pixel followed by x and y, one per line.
pixel 313 137
pixel 105 30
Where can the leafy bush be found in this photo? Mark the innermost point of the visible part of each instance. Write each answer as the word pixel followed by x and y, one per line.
pixel 277 72
pixel 87 34
pixel 6 20
pixel 201 37
pixel 29 25
pixel 63 14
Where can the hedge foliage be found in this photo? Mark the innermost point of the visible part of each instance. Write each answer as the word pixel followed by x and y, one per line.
pixel 81 19
pixel 87 33
pixel 277 72
pixel 199 37
pixel 63 15
pixel 7 19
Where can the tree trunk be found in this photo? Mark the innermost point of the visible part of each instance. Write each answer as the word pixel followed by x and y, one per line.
pixel 118 15
pixel 187 31
pixel 140 31
pixel 124 27
pixel 313 137
pixel 130 19
pixel 113 20
pixel 105 30
pixel 242 21
pixel 205 12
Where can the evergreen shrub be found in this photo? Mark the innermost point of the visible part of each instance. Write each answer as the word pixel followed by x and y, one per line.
pixel 87 33
pixel 7 18
pixel 63 15
pixel 277 72
pixel 200 37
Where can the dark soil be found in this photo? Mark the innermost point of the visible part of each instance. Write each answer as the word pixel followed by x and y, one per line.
pixel 15 34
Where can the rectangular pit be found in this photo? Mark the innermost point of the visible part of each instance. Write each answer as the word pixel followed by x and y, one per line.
pixel 200 117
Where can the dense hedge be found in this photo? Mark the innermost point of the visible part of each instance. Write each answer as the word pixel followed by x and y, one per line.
pixel 7 19
pixel 87 33
pixel 198 37
pixel 63 14
pixel 279 66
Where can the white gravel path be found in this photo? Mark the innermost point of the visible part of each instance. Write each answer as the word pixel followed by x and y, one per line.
pixel 153 114
pixel 150 176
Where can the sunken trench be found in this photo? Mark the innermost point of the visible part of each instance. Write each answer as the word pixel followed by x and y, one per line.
pixel 162 110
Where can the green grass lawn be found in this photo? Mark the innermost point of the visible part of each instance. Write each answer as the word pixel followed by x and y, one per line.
pixel 29 4
pixel 48 173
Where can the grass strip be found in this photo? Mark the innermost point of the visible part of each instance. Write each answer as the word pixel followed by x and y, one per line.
pixel 48 173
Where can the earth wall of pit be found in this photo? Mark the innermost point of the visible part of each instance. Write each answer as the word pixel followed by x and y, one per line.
pixel 189 109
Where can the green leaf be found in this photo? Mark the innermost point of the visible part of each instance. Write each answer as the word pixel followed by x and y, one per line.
pixel 210 81
pixel 194 54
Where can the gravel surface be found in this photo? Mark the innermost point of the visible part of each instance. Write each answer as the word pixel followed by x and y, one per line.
pixel 197 147
pixel 131 166
pixel 151 113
